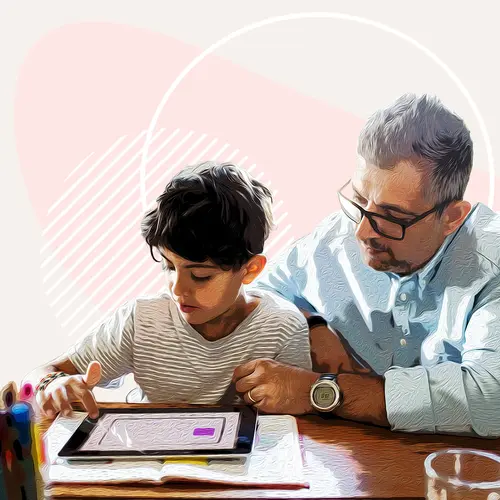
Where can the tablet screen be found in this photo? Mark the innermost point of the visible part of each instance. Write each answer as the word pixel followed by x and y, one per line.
pixel 167 431
pixel 164 432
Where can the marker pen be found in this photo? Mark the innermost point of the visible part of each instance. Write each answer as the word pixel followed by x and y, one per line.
pixel 3 470
pixel 26 393
pixel 8 462
pixel 8 395
pixel 22 421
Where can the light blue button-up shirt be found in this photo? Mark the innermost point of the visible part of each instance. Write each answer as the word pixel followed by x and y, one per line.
pixel 434 335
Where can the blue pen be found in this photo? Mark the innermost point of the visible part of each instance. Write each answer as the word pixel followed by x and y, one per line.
pixel 21 417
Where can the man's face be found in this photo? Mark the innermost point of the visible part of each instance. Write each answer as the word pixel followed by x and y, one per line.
pixel 202 291
pixel 397 193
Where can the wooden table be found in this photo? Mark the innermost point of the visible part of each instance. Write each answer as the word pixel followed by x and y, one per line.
pixel 343 460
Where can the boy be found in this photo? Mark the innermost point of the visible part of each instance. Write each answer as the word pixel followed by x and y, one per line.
pixel 208 230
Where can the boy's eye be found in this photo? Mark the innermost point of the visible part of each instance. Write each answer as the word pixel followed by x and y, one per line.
pixel 200 278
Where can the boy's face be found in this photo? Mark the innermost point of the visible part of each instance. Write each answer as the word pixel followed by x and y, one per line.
pixel 204 291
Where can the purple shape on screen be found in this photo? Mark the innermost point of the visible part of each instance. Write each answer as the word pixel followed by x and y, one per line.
pixel 204 431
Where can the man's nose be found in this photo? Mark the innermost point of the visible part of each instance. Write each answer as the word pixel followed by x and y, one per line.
pixel 365 231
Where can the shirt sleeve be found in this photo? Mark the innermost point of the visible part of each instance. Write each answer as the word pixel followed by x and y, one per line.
pixel 297 349
pixel 461 398
pixel 110 343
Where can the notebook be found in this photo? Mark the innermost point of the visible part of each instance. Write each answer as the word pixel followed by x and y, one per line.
pixel 275 462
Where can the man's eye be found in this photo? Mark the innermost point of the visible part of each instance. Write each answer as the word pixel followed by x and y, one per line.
pixel 400 219
pixel 201 278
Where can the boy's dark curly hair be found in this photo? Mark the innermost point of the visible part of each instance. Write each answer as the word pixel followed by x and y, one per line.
pixel 211 211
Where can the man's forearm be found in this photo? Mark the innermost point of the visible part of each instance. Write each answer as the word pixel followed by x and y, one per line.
pixel 364 399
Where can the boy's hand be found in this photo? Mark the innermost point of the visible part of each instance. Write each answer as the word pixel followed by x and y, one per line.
pixel 274 387
pixel 59 394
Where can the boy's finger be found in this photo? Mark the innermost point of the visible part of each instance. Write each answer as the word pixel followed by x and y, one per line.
pixel 93 374
pixel 89 403
pixel 61 402
pixel 49 409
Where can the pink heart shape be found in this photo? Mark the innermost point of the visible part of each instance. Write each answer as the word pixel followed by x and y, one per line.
pixel 92 89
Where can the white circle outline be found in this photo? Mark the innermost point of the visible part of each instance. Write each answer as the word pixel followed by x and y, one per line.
pixel 315 15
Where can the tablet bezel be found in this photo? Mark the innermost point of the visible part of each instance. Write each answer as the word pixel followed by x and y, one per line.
pixel 244 443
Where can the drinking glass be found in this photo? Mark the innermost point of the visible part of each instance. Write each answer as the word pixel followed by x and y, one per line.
pixel 462 474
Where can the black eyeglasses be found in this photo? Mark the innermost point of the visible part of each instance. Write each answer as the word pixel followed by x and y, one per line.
pixel 386 226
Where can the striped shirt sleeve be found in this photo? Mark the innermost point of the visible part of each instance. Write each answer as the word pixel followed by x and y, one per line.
pixel 110 343
pixel 297 350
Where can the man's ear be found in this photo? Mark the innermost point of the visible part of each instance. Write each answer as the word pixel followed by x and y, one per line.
pixel 455 214
pixel 253 268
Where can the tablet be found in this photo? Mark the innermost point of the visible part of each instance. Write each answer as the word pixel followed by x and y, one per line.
pixel 164 433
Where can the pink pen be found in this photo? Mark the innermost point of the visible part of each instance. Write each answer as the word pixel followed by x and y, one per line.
pixel 26 392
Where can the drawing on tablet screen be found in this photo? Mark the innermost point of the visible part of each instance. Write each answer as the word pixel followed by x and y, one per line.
pixel 173 431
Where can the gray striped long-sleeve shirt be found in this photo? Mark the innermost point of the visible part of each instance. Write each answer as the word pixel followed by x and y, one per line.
pixel 172 362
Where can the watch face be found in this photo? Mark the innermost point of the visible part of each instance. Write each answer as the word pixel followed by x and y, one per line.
pixel 324 396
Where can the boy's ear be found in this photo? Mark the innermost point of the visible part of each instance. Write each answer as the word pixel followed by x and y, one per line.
pixel 253 268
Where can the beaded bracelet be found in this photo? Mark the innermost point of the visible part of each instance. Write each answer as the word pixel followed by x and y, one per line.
pixel 50 377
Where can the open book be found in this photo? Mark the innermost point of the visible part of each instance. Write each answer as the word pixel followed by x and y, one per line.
pixel 275 462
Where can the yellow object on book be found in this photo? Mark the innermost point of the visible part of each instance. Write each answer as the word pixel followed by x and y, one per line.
pixel 38 457
pixel 190 461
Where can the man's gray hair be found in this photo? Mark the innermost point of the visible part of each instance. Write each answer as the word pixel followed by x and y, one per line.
pixel 421 130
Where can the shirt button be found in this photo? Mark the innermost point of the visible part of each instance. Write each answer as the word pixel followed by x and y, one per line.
pixel 403 297
pixel 402 342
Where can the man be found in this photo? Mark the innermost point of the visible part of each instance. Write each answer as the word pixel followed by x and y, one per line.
pixel 406 279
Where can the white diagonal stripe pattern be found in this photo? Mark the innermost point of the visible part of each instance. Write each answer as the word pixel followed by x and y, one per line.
pixel 125 255
pixel 74 171
pixel 86 174
pixel 98 258
pixel 278 237
pixel 74 186
pixel 101 206
pixel 76 248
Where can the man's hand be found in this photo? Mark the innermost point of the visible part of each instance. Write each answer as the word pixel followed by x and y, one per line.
pixel 275 387
pixel 59 394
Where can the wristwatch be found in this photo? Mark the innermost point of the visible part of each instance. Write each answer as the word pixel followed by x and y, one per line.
pixel 316 320
pixel 326 394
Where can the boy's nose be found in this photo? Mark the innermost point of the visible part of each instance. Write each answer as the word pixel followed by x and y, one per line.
pixel 179 288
